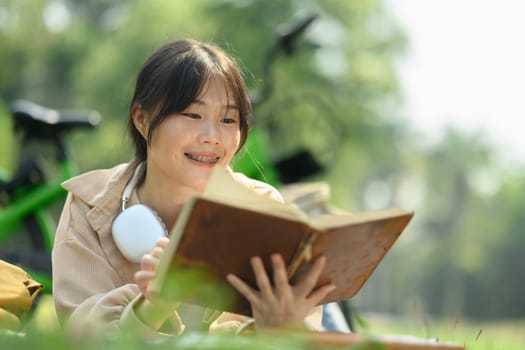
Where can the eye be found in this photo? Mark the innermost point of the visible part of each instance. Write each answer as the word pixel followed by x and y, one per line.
pixel 191 115
pixel 229 120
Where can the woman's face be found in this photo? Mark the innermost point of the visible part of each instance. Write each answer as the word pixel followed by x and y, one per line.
pixel 186 146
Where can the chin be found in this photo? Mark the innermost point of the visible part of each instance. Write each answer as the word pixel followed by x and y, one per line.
pixel 199 183
pixel 198 180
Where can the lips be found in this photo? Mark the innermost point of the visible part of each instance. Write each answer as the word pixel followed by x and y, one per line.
pixel 209 159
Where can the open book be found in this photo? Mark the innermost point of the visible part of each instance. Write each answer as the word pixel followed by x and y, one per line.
pixel 217 233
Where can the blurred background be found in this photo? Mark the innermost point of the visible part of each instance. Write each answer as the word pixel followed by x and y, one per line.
pixel 403 103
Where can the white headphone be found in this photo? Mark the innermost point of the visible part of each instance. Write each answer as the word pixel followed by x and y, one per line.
pixel 137 228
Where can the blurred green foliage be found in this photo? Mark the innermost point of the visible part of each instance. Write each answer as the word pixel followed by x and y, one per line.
pixel 58 341
pixel 337 96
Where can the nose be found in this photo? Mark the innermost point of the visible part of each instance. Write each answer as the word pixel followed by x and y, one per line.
pixel 209 133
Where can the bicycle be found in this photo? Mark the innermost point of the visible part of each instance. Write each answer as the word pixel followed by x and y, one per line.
pixel 256 162
pixel 27 197
pixel 294 168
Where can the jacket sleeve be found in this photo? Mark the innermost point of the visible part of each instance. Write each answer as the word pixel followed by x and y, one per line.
pixel 87 290
pixel 229 323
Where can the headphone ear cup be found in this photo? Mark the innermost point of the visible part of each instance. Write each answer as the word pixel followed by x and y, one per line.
pixel 136 230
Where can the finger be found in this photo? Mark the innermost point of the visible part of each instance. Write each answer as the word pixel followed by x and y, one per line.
pixel 280 278
pixel 157 252
pixel 141 276
pixel 261 277
pixel 142 279
pixel 308 282
pixel 319 294
pixel 243 288
pixel 163 242
pixel 148 262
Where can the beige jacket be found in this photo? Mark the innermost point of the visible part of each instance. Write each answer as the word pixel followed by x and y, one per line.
pixel 93 283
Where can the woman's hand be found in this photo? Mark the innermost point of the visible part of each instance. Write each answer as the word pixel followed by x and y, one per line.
pixel 283 305
pixel 148 265
pixel 152 310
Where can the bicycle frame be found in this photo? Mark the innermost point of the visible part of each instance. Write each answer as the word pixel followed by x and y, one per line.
pixel 29 194
pixel 36 202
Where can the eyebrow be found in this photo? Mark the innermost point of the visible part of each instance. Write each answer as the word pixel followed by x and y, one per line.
pixel 228 106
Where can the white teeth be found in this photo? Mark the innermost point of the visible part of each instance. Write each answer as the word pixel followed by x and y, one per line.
pixel 203 159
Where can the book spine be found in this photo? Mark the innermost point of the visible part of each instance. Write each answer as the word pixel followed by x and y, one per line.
pixel 303 253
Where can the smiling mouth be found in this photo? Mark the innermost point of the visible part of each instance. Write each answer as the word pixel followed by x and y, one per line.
pixel 202 159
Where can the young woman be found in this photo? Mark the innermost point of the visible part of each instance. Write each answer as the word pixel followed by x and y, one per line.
pixel 189 113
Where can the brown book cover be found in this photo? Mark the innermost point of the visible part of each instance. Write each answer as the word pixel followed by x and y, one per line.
pixel 216 235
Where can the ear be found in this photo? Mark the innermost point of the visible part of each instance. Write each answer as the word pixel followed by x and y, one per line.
pixel 140 119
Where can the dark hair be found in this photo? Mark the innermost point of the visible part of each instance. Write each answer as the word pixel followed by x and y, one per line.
pixel 173 77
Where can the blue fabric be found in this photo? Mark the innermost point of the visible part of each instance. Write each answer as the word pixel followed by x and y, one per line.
pixel 333 319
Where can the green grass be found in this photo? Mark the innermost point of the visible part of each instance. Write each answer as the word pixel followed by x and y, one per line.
pixel 475 335
pixel 42 332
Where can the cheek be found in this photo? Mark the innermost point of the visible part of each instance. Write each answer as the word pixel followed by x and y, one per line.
pixel 232 143
pixel 169 137
pixel 236 141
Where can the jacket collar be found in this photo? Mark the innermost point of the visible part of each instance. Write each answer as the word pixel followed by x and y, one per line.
pixel 102 191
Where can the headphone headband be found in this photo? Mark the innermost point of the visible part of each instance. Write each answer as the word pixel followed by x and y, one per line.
pixel 131 185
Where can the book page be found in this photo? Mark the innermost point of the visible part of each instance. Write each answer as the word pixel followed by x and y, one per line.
pixel 342 218
pixel 222 187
